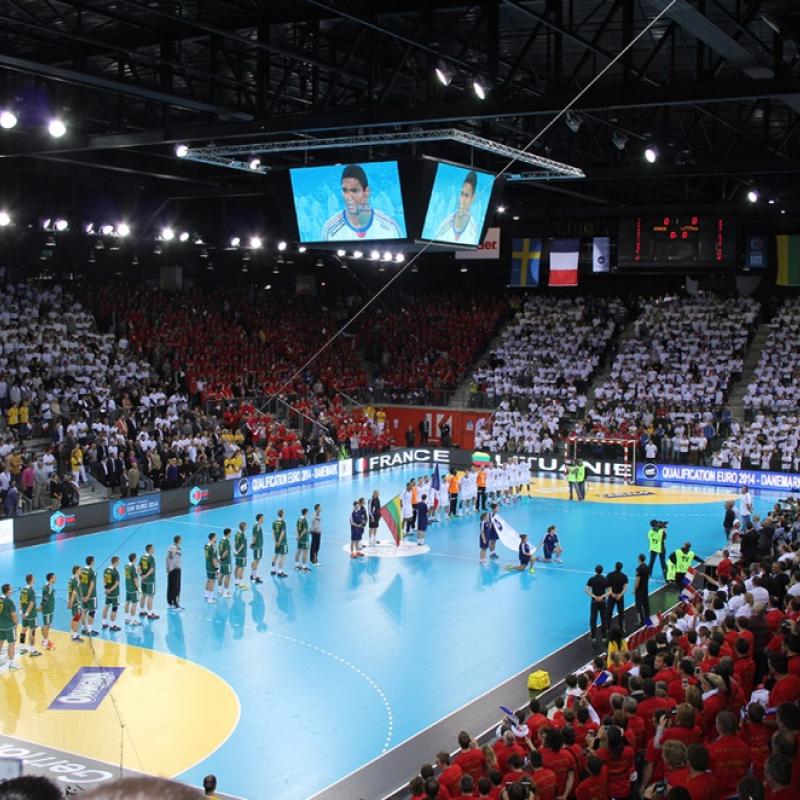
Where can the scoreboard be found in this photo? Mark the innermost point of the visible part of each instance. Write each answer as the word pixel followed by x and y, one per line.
pixel 684 240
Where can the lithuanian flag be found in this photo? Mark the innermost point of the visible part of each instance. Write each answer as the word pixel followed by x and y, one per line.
pixel 788 261
pixel 392 514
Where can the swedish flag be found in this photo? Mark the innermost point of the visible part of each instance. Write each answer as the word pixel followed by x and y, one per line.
pixel 526 254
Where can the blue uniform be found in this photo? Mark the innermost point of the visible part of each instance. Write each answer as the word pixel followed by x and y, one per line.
pixel 422 516
pixel 524 554
pixel 486 531
pixel 358 519
pixel 549 544
pixel 492 532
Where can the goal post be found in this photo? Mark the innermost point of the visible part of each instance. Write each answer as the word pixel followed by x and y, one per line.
pixel 608 457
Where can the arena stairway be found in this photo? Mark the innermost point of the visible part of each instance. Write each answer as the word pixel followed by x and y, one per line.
pixel 748 368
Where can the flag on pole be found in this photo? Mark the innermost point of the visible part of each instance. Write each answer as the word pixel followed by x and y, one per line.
pixel 653 621
pixel 526 255
pixel 788 261
pixel 688 577
pixel 506 533
pixel 436 486
pixel 564 262
pixel 601 254
pixel 392 515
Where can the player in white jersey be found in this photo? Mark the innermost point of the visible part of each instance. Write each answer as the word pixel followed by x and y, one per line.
pixel 469 491
pixel 358 219
pixel 459 226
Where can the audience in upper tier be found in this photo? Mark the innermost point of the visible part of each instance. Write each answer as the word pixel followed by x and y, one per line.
pixel 540 370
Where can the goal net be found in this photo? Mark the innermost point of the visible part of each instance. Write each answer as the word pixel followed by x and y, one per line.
pixel 611 457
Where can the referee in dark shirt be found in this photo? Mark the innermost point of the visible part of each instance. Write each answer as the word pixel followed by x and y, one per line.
pixel 641 589
pixel 597 589
pixel 617 584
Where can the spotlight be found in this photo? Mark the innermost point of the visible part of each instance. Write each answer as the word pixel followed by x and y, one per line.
pixel 479 88
pixel 374 255
pixel 255 242
pixel 515 217
pixel 357 254
pixel 573 120
pixel 387 256
pixel 167 234
pixel 8 120
pixel 182 151
pixel 399 258
pixel 340 253
pixel 255 163
pixel 319 263
pixel 89 228
pixel 61 225
pixel 56 128
pixel 619 140
pixel 651 154
pixel 771 202
pixel 5 219
pixel 501 209
pixel 281 246
pixel 106 230
pixel 443 74
pixel 752 196
pixel 463 269
pixel 235 241
pixel 302 249
pixel 184 237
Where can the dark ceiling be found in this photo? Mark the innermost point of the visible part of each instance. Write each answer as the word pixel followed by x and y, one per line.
pixel 716 84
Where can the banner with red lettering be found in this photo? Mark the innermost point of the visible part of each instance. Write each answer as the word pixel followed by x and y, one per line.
pixel 490 249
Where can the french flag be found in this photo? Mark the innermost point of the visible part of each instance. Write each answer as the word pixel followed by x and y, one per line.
pixel 603 678
pixel 653 621
pixel 688 578
pixel 564 262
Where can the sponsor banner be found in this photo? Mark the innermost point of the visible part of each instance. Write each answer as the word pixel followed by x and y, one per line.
pixel 489 249
pixel 346 468
pixel 197 495
pixel 718 476
pixel 60 520
pixel 6 531
pixel 396 458
pixel 594 469
pixel 285 479
pixel 87 689
pixel 134 507
pixel 64 768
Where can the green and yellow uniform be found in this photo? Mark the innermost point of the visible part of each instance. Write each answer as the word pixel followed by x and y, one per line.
pixel 240 546
pixel 48 607
pixel 278 529
pixel 7 628
pixel 88 581
pixel 131 584
pixel 225 556
pixel 147 564
pixel 74 590
pixel 303 536
pixel 111 585
pixel 257 543
pixel 211 561
pixel 27 598
pixel 655 536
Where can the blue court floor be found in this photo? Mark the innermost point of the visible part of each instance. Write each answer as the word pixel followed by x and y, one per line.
pixel 333 668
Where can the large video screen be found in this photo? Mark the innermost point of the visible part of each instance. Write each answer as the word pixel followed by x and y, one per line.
pixel 458 205
pixel 684 240
pixel 349 202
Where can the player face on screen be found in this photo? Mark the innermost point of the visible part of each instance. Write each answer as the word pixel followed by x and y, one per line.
pixel 356 201
pixel 465 198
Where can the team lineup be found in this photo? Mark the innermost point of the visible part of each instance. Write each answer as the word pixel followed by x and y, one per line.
pixel 426 500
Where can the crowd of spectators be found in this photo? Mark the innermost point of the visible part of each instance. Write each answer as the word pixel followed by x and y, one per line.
pixel 538 374
pixel 708 708
pixel 423 347
pixel 769 438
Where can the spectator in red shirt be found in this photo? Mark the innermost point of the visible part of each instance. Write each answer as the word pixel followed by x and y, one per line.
pixel 725 567
pixel 791 646
pixel 470 758
pixel 554 757
pixel 729 756
pixel 515 771
pixel 427 773
pixel 508 747
pixel 779 785
pixel 756 735
pixel 545 779
pixel 484 788
pixel 700 783
pixel 466 788
pixel 416 788
pixel 536 721
pixel 595 785
pixel 744 668
pixel 649 705
pixel 619 759
pixel 787 687
pixel 676 688
pixel 715 699
pixel 450 773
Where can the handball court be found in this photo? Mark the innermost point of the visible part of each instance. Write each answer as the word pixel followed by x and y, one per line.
pixel 306 684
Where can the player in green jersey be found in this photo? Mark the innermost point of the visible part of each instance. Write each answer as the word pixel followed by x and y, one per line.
pixel 240 555
pixel 131 591
pixel 303 541
pixel 8 625
pixel 74 602
pixel 224 581
pixel 257 545
pixel 27 608
pixel 281 546
pixel 48 608
pixel 111 587
pixel 212 567
pixel 147 574
pixel 88 589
